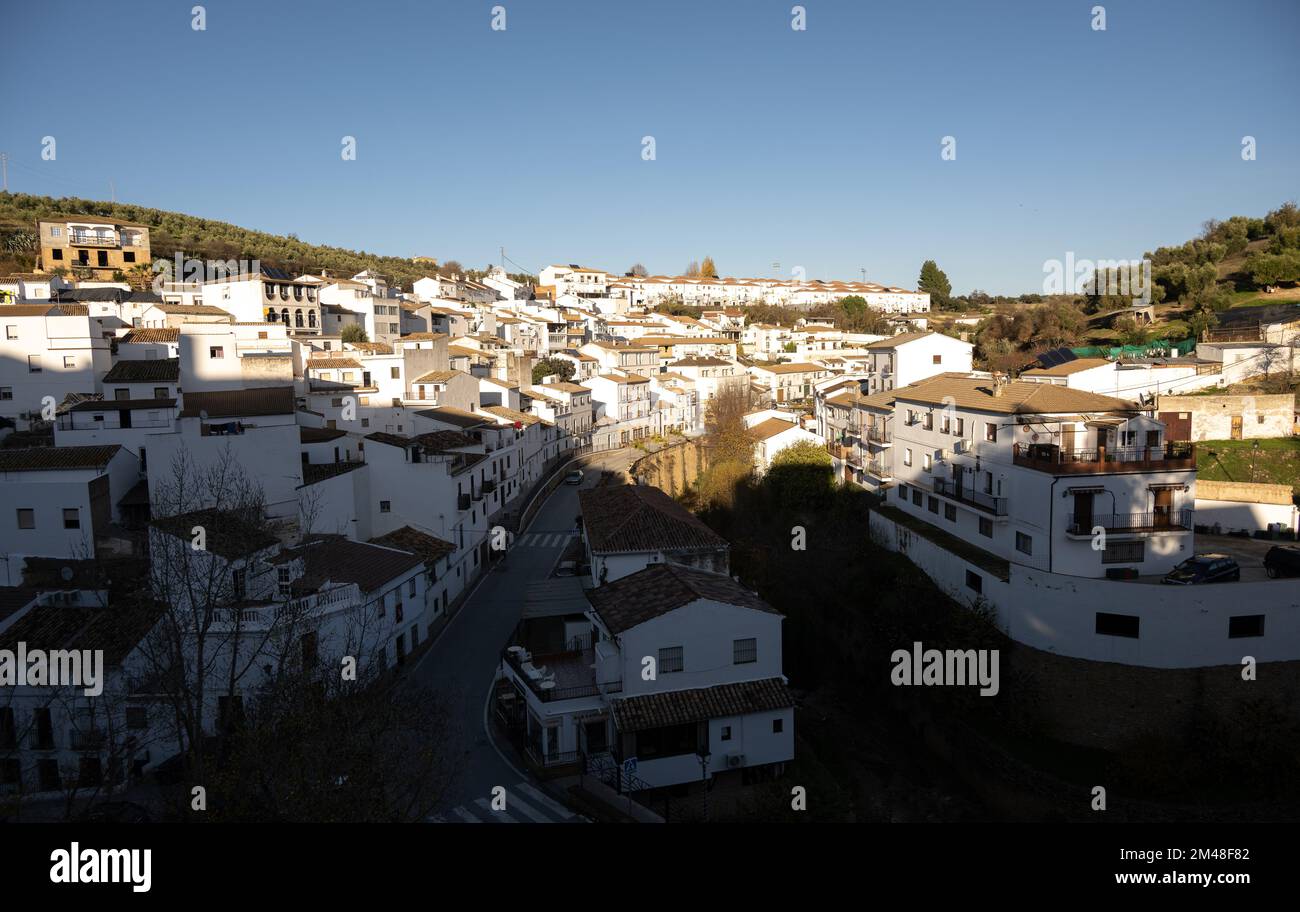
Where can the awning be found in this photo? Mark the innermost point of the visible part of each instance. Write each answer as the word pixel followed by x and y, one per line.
pixel 1167 487
pixel 1097 489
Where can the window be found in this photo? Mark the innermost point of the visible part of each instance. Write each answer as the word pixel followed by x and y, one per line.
pixel 71 518
pixel 11 332
pixel 902 492
pixel 34 364
pixel 137 717
pixel 6 392
pixel 671 659
pixel 1024 543
pixel 950 512
pixel 744 651
pixel 990 432
pixel 926 462
pixel 916 497
pixel 239 583
pixel 726 733
pixel 938 359
pixel 1123 553
pixel 160 392
pixel 974 582
pixel 217 351
pixel 778 726
pixel 26 518
pixel 1117 625
pixel 57 254
pixel 945 424
pixel 961 427
pixel 385 506
pixel 410 589
pixel 283 580
pixel 1245 625
pixel 986 527
pixel 395 373
pixel 907 456
pixel 929 421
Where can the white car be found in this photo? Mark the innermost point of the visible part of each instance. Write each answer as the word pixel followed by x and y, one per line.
pixel 574 477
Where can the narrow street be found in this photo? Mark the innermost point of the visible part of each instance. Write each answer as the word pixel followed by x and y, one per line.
pixel 461 664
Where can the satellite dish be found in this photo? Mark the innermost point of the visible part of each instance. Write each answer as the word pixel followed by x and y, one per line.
pixel 66 574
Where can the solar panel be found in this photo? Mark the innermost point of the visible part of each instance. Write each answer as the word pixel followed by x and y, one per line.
pixel 1056 356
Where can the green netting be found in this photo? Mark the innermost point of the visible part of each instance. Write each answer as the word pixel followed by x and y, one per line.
pixel 1156 349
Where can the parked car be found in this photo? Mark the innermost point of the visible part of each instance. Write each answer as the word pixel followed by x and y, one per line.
pixel 1204 568
pixel 574 477
pixel 1282 561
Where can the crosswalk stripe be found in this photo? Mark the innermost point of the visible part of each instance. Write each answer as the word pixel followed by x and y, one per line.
pixel 515 803
pixel 555 808
pixel 499 816
pixel 465 815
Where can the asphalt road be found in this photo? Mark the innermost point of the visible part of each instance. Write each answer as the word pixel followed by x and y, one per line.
pixel 461 664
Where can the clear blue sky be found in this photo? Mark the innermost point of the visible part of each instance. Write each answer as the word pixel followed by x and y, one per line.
pixel 818 149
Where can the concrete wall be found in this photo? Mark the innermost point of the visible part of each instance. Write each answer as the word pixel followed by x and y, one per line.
pixel 1261 416
pixel 1178 626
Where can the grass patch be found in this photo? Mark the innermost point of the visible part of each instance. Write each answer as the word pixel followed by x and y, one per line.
pixel 1275 461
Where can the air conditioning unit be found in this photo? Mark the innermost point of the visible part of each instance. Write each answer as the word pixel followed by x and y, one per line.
pixel 735 761
pixel 946 455
pixel 965 446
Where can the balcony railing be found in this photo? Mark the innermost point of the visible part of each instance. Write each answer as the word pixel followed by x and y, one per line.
pixel 552 693
pixel 93 240
pixel 90 740
pixel 1171 457
pixel 878 469
pixel 980 501
pixel 1167 521
pixel 878 435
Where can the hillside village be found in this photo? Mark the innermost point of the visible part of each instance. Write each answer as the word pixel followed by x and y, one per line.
pixel 255 472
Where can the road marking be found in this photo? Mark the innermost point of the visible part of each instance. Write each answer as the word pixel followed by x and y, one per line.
pixel 465 815
pixel 555 808
pixel 518 804
pixel 502 816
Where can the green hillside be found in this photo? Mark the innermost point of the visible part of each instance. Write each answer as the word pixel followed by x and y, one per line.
pixel 200 238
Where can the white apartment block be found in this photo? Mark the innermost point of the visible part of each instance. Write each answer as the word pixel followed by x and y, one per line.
pixel 1031 472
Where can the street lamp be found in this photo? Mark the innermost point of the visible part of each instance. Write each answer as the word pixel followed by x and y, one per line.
pixel 703 757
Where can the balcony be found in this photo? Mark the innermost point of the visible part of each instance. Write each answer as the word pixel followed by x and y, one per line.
pixel 1173 457
pixel 567 675
pixel 462 502
pixel 90 740
pixel 988 503
pixel 78 239
pixel 879 435
pixel 878 468
pixel 1167 521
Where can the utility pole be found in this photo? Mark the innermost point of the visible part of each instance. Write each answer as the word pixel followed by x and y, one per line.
pixel 863 270
pixel 4 169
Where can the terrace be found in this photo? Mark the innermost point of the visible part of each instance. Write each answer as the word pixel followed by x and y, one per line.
pixel 1172 457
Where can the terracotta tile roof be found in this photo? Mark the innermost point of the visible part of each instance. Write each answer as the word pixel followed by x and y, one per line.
pixel 770 428
pixel 153 334
pixel 680 707
pixel 409 538
pixel 423 337
pixel 1069 367
pixel 510 414
pixel 794 367
pixel 319 435
pixel 160 370
pixel 437 376
pixel 203 310
pixel 26 310
pixel 316 472
pixel 73 627
pixel 229 534
pixel 661 588
pixel 564 387
pixel 435 441
pixel 374 348
pixel 630 518
pixel 334 559
pixel 39 459
pixel 332 363
pixel 900 339
pixel 1021 397
pixel 240 403
pixel 454 416
pixel 700 362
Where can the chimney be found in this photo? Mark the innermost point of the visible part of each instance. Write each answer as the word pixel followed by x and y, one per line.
pixel 998 383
